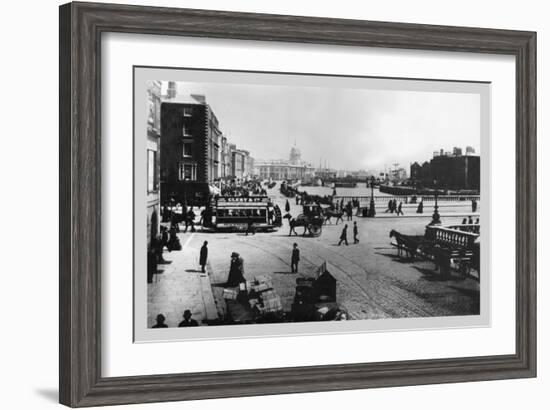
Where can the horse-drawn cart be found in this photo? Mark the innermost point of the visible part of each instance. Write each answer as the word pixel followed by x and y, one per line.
pixel 448 247
pixel 311 219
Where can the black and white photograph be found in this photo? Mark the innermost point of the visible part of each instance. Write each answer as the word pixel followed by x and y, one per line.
pixel 281 199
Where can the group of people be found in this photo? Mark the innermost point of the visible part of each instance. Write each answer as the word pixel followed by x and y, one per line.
pixel 344 235
pixel 303 197
pixel 187 217
pixel 246 190
pixel 187 321
pixel 472 225
pixel 393 207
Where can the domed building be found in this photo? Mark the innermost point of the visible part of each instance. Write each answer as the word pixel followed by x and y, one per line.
pixel 295 156
pixel 292 169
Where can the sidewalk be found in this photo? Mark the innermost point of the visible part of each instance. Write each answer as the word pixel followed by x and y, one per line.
pixel 181 286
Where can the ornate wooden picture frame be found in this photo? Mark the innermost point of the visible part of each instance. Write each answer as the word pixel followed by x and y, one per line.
pixel 81 28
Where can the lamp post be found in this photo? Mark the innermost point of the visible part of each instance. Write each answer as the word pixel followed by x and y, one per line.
pixel 372 209
pixel 436 220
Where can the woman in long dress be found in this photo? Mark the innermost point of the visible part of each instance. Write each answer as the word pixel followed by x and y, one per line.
pixel 236 270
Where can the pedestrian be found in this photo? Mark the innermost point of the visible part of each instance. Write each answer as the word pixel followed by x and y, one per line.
pixel 477 221
pixel 203 256
pixel 173 242
pixel 400 209
pixel 295 258
pixel 249 226
pixel 287 206
pixel 163 236
pixel 174 221
pixel 344 235
pixel 470 220
pixel 160 322
pixel 474 205
pixel 190 220
pixel 236 270
pixel 420 209
pixel 355 233
pixel 388 209
pixel 187 321
pixel 158 248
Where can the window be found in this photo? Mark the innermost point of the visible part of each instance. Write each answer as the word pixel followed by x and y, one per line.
pixel 187 149
pixel 152 176
pixel 188 171
pixel 186 130
pixel 187 111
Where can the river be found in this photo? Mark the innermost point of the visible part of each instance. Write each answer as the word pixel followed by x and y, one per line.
pixel 360 190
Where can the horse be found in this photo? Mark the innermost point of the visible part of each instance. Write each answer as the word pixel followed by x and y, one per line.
pixel 406 243
pixel 328 214
pixel 293 223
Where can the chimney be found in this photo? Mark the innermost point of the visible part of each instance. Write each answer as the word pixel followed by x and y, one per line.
pixel 172 89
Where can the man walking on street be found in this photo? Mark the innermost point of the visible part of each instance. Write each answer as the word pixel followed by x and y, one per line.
pixel 203 256
pixel 344 236
pixel 355 233
pixel 349 211
pixel 295 258
pixel 399 209
pixel 249 226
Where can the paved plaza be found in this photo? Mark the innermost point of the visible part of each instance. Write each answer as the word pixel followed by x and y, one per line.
pixel 372 281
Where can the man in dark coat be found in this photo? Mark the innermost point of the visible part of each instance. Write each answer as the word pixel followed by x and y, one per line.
pixel 187 321
pixel 203 256
pixel 355 233
pixel 160 322
pixel 344 236
pixel 295 258
pixel 400 209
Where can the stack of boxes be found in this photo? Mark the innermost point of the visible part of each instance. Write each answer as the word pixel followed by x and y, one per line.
pixel 230 293
pixel 259 293
pixel 271 302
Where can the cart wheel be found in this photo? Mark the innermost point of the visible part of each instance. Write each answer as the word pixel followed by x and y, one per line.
pixel 315 229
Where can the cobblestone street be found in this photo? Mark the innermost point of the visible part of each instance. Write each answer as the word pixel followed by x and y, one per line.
pixel 372 281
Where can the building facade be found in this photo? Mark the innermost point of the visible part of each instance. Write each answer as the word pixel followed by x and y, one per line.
pixel 279 170
pixel 225 159
pixel 294 168
pixel 456 172
pixel 449 171
pixel 237 163
pixel 153 160
pixel 191 152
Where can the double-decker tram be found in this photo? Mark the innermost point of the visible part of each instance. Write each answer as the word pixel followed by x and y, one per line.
pixel 238 212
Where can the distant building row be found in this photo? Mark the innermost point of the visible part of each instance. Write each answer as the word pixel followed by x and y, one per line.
pixel 450 171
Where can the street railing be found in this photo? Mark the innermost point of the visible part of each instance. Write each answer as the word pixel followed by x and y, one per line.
pixel 365 200
pixel 450 236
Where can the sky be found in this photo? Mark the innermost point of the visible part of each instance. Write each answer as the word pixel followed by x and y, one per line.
pixel 350 129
